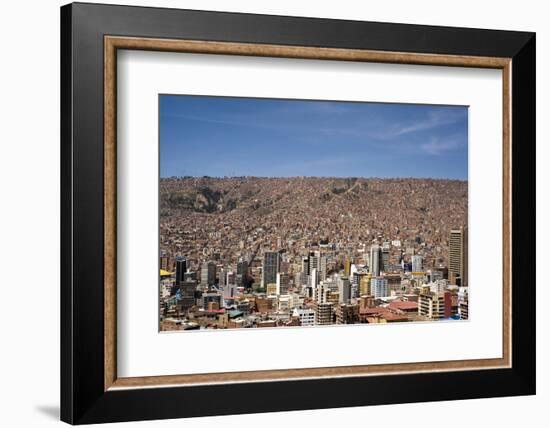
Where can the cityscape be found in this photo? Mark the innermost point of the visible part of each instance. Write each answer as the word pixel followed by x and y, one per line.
pixel 260 228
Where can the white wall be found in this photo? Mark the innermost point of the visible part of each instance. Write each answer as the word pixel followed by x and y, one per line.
pixel 29 190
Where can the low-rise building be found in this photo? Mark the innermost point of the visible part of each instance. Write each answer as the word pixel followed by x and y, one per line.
pixel 436 306
pixel 306 316
pixel 267 323
pixel 323 313
pixel 347 314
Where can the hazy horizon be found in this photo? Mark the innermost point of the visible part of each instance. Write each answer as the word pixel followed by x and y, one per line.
pixel 308 177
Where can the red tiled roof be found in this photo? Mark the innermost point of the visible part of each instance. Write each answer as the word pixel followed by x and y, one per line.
pixel 404 305
pixel 390 316
pixel 373 311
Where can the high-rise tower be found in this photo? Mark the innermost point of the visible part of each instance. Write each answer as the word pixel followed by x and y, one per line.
pixel 375 260
pixel 181 268
pixel 458 256
pixel 208 273
pixel 270 267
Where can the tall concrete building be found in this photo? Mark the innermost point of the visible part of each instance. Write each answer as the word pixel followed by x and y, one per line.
pixel 379 287
pixel 322 268
pixel 375 260
pixel 282 283
pixel 305 265
pixel 458 257
pixel 385 256
pixel 186 295
pixel 319 262
pixel 347 267
pixel 242 272
pixel 344 289
pixel 181 268
pixel 364 285
pixel 208 273
pixel 270 267
pixel 313 278
pixel 222 277
pixel 321 293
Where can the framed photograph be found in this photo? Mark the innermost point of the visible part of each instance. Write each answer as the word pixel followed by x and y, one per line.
pixel 291 213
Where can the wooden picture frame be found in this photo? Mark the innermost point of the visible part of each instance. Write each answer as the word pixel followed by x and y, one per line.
pixel 91 390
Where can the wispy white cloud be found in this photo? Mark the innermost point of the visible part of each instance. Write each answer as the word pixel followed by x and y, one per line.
pixel 434 119
pixel 440 146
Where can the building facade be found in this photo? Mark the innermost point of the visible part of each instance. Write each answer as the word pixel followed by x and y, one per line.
pixel 323 313
pixel 282 283
pixel 306 316
pixel 416 261
pixel 435 306
pixel 344 289
pixel 375 260
pixel 379 287
pixel 181 269
pixel 458 256
pixel 208 273
pixel 270 267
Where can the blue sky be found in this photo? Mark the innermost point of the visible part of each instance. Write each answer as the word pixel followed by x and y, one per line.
pixel 219 136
